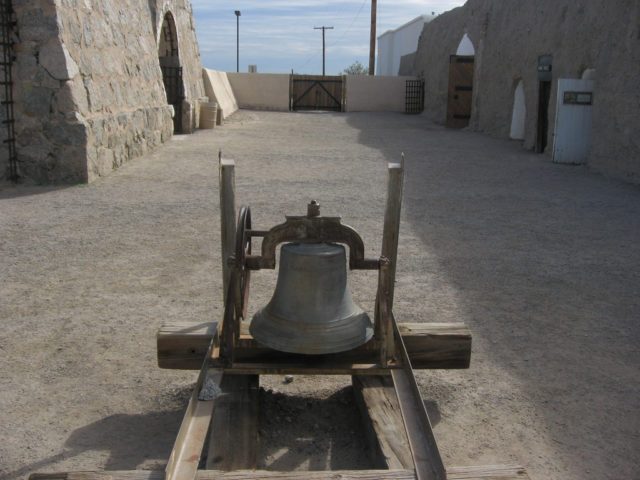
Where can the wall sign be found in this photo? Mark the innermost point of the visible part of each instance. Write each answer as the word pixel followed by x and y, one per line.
pixel 578 98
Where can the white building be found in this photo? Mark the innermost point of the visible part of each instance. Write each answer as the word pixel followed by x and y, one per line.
pixel 393 44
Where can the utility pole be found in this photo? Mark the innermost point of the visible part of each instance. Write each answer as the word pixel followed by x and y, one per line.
pixel 323 28
pixel 237 12
pixel 372 46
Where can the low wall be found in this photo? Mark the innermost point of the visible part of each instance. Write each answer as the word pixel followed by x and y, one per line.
pixel 376 94
pixel 261 91
pixel 218 89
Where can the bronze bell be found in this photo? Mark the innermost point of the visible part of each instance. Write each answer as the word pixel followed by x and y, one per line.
pixel 311 310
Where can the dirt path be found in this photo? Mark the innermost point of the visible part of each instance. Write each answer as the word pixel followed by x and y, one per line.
pixel 541 261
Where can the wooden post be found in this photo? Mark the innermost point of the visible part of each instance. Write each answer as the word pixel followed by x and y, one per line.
pixel 389 259
pixel 392 222
pixel 372 39
pixel 227 218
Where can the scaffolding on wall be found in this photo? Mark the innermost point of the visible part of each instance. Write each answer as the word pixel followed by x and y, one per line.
pixel 7 23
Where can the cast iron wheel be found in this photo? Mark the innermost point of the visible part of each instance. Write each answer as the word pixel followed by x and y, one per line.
pixel 243 249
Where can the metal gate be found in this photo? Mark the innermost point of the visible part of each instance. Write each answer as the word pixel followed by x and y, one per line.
pixel 316 92
pixel 460 91
pixel 173 85
pixel 414 96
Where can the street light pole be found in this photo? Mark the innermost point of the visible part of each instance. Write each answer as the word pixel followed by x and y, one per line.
pixel 323 50
pixel 237 12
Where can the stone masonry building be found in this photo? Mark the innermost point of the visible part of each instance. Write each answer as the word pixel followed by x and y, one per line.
pixel 96 83
pixel 520 50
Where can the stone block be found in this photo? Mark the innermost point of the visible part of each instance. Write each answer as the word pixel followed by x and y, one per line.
pixel 36 101
pixel 66 133
pixel 55 58
pixel 104 162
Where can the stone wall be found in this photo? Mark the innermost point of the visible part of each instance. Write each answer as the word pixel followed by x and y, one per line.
pixel 88 85
pixel 509 35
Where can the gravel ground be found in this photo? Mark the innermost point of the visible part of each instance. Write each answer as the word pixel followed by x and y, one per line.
pixel 542 262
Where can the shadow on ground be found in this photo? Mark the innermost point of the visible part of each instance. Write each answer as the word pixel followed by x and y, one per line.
pixel 130 441
pixel 310 432
pixel 545 260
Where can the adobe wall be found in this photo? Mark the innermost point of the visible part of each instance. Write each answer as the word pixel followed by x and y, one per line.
pixel 218 89
pixel 261 91
pixel 509 35
pixel 365 93
pixel 88 86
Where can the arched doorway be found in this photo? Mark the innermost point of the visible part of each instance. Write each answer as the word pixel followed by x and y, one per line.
pixel 519 113
pixel 460 93
pixel 169 58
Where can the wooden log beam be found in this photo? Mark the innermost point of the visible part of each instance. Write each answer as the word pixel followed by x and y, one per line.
pixel 233 442
pixel 187 449
pixel 182 346
pixel 424 449
pixel 490 472
pixel 385 435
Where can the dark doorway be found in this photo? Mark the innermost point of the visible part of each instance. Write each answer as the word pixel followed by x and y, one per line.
pixel 544 94
pixel 169 58
pixel 460 90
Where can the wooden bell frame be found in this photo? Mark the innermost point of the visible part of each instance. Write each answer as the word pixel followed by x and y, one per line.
pixel 312 228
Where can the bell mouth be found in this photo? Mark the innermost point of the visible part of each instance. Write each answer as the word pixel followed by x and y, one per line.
pixel 311 310
pixel 290 336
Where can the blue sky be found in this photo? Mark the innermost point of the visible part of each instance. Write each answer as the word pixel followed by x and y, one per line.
pixel 278 35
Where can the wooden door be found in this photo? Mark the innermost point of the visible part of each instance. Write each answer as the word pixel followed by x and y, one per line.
pixel 460 91
pixel 316 92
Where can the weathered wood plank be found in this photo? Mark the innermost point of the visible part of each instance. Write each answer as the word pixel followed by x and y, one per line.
pixel 233 443
pixel 227 218
pixel 187 449
pixel 310 367
pixel 389 251
pixel 386 437
pixel 237 475
pixel 325 475
pixel 424 449
pixel 430 345
pixel 490 472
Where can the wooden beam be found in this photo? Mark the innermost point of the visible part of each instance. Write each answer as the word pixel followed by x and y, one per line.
pixel 389 258
pixel 233 444
pixel 488 472
pixel 182 346
pixel 227 183
pixel 424 449
pixel 386 438
pixel 324 475
pixel 491 472
pixel 308 367
pixel 187 449
pixel 238 475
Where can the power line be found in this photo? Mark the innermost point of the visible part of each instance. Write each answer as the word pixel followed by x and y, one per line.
pixel 344 33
